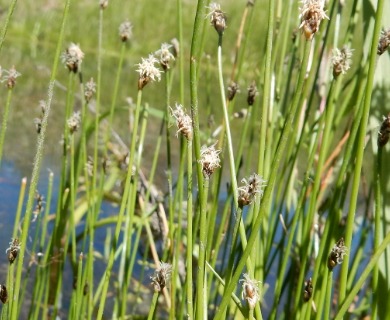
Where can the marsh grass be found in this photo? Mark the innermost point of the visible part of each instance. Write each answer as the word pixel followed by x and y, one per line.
pixel 139 219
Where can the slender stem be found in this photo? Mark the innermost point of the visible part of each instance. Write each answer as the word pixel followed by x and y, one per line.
pixel 169 165
pixel 123 206
pixel 20 207
pixel 178 207
pixel 153 305
pixel 227 125
pixel 324 306
pixel 6 23
pixel 195 47
pixel 307 226
pixel 377 229
pixel 239 222
pixel 181 54
pixel 37 166
pixel 73 188
pixel 190 308
pixel 362 277
pixel 201 288
pixel 292 231
pixel 4 123
pixel 360 150
pixel 339 185
pixel 79 289
pixel 115 94
pixel 267 87
pixel 271 183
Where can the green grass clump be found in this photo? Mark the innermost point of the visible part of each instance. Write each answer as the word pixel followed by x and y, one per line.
pixel 216 161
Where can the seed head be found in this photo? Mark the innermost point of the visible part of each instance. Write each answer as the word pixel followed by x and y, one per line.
pixel 161 276
pixel 125 31
pixel 217 17
pixel 86 289
pixel 40 199
pixel 38 121
pixel 384 132
pixel 9 76
pixel 13 250
pixel 175 47
pixel 308 290
pixel 337 254
pixel 209 158
pixel 252 187
pixel 3 293
pixel 250 291
pixel 89 167
pixel 38 124
pixel 384 42
pixel 232 90
pixel 183 122
pixel 241 114
pixel 341 61
pixel 164 55
pixel 103 4
pixel 74 122
pixel 72 57
pixel 252 93
pixel 312 13
pixel 147 71
pixel 90 90
pixel 43 106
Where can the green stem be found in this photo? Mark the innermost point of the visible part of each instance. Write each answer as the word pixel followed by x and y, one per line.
pixel 153 305
pixel 267 90
pixel 122 209
pixel 169 164
pixel 360 150
pixel 239 222
pixel 178 207
pixel 271 183
pixel 195 47
pixel 115 95
pixel 4 123
pixel 37 167
pixel 340 185
pixel 20 207
pixel 363 277
pixel 73 188
pixel 292 230
pixel 78 293
pixel 7 20
pixel 227 125
pixel 181 54
pixel 308 221
pixel 377 230
pixel 130 217
pixel 201 285
pixel 190 308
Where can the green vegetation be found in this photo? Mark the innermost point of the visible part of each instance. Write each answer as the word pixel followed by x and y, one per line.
pixel 177 192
